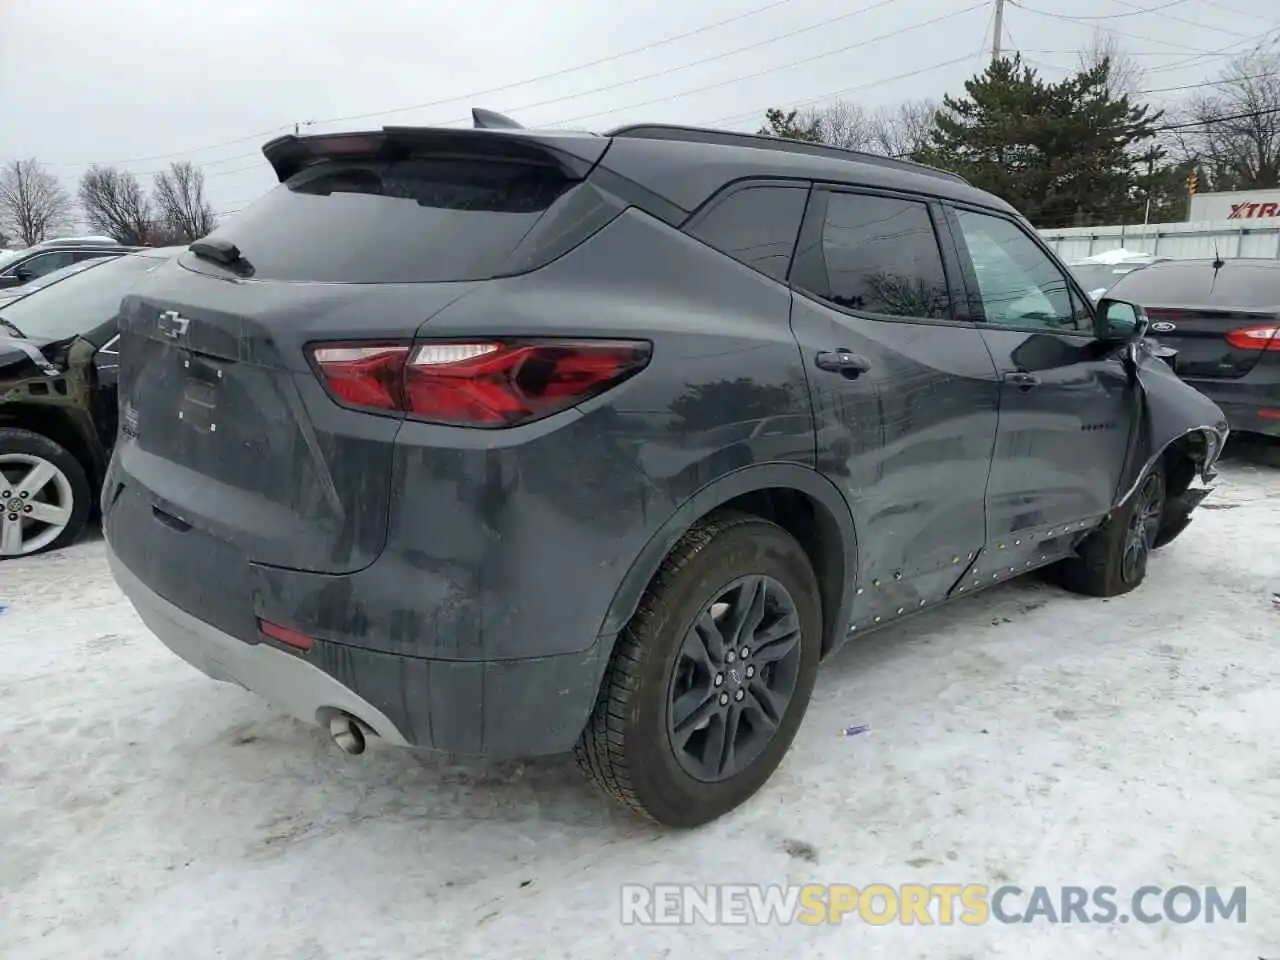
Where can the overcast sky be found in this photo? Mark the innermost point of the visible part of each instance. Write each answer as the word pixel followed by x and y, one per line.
pixel 142 82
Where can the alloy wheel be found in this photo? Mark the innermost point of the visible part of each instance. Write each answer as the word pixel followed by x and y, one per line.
pixel 36 502
pixel 1144 526
pixel 734 677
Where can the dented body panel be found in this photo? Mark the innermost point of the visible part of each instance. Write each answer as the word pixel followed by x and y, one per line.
pixel 467 584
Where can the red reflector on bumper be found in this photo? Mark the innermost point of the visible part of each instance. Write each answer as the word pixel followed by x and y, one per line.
pixel 291 637
pixel 1269 414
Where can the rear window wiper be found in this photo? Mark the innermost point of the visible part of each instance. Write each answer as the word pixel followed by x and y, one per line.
pixel 223 252
pixel 8 325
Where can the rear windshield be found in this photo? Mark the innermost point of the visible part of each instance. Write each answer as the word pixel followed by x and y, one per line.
pixel 1192 284
pixel 76 305
pixel 393 222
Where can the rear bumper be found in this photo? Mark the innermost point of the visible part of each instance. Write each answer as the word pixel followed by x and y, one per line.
pixel 505 708
pixel 1247 401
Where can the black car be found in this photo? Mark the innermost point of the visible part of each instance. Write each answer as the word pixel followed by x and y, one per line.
pixel 1223 319
pixel 58 364
pixel 510 442
pixel 43 258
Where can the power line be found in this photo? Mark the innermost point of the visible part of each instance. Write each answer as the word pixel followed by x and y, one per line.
pixel 663 73
pixel 479 93
pixel 784 66
pixel 1240 13
pixel 1248 115
pixel 1230 50
pixel 1193 23
pixel 1081 23
pixel 847 90
pixel 623 83
pixel 1136 12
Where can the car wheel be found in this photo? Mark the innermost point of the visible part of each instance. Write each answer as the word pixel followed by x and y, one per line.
pixel 710 680
pixel 44 494
pixel 1113 559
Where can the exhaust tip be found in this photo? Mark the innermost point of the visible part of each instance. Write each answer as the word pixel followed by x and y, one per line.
pixel 348 733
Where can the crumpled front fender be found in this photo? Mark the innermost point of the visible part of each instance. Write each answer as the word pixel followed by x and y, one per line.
pixel 1172 414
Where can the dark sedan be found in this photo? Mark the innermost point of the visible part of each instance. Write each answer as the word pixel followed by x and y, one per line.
pixel 58 367
pixel 1223 319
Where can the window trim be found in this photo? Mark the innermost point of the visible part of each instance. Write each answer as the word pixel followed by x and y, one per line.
pixel 973 295
pixel 712 203
pixel 809 277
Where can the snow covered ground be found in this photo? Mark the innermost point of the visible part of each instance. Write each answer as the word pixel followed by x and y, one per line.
pixel 1023 736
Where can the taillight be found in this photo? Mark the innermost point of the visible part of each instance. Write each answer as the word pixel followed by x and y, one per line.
pixel 364 376
pixel 1255 338
pixel 477 383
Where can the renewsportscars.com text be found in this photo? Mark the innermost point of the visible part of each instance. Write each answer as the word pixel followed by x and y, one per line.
pixel 970 904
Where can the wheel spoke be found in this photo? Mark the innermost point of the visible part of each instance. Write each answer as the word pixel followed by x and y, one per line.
pixel 705 643
pixel 746 598
pixel 727 761
pixel 786 624
pixel 36 478
pixel 778 649
pixel 766 705
pixel 689 711
pixel 49 513
pixel 10 536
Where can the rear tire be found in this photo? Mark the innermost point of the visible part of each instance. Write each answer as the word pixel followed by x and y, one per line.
pixel 646 744
pixel 56 506
pixel 1113 559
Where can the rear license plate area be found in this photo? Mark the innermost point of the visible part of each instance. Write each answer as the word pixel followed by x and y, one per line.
pixel 198 404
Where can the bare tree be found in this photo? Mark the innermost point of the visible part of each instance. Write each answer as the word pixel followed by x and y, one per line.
pixel 899 131
pixel 1125 76
pixel 116 205
pixel 903 131
pixel 842 124
pixel 1235 139
pixel 181 204
pixel 32 201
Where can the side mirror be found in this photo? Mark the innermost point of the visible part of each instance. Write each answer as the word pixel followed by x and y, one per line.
pixel 1118 321
pixel 24 275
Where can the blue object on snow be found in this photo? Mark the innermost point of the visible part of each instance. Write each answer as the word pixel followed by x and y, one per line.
pixel 854 731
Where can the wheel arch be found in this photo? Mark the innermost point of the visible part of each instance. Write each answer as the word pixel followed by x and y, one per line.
pixel 797 498
pixel 62 427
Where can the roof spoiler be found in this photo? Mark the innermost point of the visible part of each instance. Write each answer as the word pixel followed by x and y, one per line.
pixel 494 136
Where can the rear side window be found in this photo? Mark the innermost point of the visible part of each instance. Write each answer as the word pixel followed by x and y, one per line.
pixel 394 221
pixel 1242 286
pixel 756 226
pixel 882 256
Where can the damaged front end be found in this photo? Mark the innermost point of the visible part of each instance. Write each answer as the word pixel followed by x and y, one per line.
pixel 1178 428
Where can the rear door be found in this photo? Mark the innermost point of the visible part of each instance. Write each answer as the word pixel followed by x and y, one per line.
pixel 1214 319
pixel 229 442
pixel 903 389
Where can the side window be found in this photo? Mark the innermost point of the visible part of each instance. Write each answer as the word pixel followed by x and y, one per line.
pixel 882 257
pixel 38 266
pixel 756 226
pixel 1018 285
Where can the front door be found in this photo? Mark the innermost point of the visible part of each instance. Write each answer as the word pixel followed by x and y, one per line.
pixel 1067 404
pixel 904 392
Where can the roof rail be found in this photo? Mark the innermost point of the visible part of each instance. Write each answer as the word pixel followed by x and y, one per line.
pixel 662 131
pixel 63 241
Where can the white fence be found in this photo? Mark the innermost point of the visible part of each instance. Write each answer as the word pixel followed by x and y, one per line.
pixel 1181 241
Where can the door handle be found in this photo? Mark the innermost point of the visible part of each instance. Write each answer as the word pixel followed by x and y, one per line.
pixel 841 361
pixel 1023 381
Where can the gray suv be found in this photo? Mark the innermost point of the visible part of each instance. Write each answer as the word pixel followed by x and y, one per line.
pixel 509 442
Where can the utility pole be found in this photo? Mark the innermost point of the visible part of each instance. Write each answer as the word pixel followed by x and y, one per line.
pixel 998 31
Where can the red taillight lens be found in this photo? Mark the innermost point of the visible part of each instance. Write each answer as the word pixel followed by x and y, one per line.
pixel 364 376
pixel 1255 338
pixel 478 383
